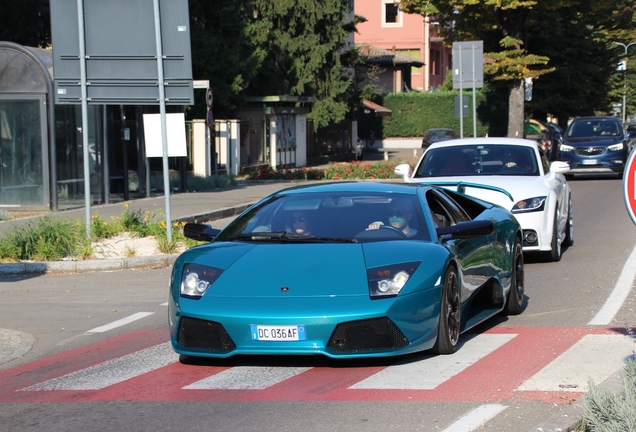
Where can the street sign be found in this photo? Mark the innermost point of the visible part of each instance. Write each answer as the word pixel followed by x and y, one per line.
pixel 210 119
pixel 200 84
pixel 629 186
pixel 209 98
pixel 468 64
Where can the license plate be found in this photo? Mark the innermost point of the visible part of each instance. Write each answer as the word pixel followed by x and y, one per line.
pixel 589 162
pixel 278 333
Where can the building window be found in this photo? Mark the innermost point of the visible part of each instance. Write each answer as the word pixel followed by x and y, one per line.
pixel 414 54
pixel 391 14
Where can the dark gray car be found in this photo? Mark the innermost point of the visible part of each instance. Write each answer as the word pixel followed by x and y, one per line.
pixel 436 135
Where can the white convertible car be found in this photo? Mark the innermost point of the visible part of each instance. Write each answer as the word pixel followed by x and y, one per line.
pixel 538 193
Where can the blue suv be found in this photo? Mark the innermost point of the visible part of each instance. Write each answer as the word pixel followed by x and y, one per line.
pixel 595 145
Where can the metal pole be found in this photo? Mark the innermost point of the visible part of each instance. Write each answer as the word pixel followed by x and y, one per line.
pixel 162 110
pixel 84 92
pixel 461 95
pixel 474 98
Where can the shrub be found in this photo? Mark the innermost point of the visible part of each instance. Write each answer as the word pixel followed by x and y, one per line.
pixel 609 411
pixel 45 239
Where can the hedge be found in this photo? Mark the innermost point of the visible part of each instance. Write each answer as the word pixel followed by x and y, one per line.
pixel 413 113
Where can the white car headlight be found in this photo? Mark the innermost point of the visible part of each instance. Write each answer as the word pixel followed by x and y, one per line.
pixel 529 205
pixel 566 148
pixel 388 281
pixel 196 279
pixel 615 147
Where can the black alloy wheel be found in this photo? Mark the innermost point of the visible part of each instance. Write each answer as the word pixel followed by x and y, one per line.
pixel 514 301
pixel 449 320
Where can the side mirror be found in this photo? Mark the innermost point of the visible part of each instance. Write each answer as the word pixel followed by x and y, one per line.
pixel 467 230
pixel 559 167
pixel 403 170
pixel 200 232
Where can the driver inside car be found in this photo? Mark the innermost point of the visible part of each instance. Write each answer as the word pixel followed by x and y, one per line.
pixel 400 214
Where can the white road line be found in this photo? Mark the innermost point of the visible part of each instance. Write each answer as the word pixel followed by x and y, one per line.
pixel 593 357
pixel 164 304
pixel 475 418
pixel 620 292
pixel 247 378
pixel 432 371
pixel 113 371
pixel 121 322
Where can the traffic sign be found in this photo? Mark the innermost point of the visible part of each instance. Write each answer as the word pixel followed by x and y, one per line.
pixel 200 84
pixel 629 186
pixel 210 119
pixel 209 98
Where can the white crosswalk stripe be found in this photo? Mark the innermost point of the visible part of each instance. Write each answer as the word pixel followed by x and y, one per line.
pixel 247 378
pixel 112 371
pixel 432 371
pixel 595 357
pixel 476 418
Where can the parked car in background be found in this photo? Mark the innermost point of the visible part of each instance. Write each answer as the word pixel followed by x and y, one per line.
pixel 541 133
pixel 595 145
pixel 537 192
pixel 630 129
pixel 436 135
pixel 345 284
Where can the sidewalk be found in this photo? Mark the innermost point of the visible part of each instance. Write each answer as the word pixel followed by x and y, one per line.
pixel 188 207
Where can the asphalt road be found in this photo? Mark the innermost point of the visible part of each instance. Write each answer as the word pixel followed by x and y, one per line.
pixel 71 316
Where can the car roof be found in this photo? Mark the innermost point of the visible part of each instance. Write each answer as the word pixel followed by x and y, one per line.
pixel 596 118
pixel 486 140
pixel 354 186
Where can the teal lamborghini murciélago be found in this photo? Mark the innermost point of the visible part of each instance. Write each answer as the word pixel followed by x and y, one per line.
pixel 348 269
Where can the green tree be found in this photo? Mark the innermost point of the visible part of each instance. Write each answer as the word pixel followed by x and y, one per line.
pixel 501 24
pixel 26 22
pixel 306 54
pixel 577 39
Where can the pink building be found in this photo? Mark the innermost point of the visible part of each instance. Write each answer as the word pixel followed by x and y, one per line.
pixel 413 36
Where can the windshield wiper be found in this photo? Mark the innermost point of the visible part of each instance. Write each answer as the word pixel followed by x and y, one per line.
pixel 314 239
pixel 282 236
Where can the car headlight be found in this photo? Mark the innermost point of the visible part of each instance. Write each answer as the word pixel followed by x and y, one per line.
pixel 615 147
pixel 529 205
pixel 388 281
pixel 196 279
pixel 565 148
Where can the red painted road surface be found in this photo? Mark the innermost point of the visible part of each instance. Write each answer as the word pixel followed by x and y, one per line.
pixel 495 377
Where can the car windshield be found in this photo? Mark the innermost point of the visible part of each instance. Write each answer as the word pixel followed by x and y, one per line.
pixel 594 128
pixel 479 160
pixel 330 218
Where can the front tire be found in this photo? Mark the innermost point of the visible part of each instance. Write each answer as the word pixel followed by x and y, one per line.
pixel 449 319
pixel 514 301
pixel 555 253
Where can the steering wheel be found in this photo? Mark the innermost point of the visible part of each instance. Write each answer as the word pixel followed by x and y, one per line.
pixel 392 228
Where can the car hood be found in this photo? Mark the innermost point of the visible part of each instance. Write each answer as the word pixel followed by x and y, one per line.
pixel 520 187
pixel 593 141
pixel 310 270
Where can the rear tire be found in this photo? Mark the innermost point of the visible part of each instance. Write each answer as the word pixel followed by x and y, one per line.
pixel 450 313
pixel 569 237
pixel 514 300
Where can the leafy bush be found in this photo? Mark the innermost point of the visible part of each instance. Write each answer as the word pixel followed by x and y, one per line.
pixel 335 171
pixel 609 411
pixel 51 239
pixel 194 183
pixel 45 239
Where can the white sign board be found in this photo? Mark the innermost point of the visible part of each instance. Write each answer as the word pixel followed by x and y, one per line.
pixel 200 84
pixel 175 125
